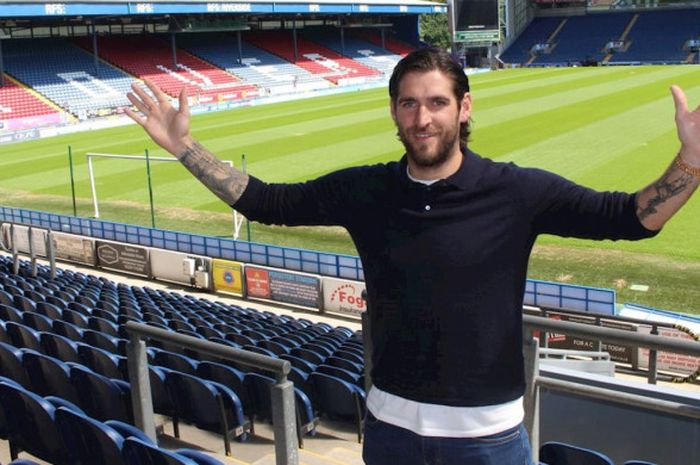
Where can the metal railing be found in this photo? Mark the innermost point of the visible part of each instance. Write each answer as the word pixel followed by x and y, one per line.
pixel 535 381
pixel 283 408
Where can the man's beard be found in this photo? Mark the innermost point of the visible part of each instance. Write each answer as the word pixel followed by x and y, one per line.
pixel 424 157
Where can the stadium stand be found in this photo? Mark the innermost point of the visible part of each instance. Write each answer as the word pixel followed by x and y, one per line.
pixel 146 56
pixel 659 37
pixel 314 58
pixel 359 50
pixel 66 75
pixel 257 66
pixel 390 43
pixel 17 102
pixel 97 381
pixel 538 32
pixel 583 39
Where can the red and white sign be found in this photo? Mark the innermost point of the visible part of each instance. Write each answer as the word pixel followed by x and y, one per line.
pixel 343 297
pixel 257 282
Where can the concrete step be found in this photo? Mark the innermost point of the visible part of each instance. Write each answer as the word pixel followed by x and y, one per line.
pixel 336 456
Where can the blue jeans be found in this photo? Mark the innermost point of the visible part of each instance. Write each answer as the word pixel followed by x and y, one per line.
pixel 387 444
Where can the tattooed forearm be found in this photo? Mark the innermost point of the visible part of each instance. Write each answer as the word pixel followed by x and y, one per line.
pixel 660 200
pixel 225 181
pixel 668 186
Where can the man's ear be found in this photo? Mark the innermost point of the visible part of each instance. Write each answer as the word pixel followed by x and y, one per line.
pixel 392 109
pixel 465 110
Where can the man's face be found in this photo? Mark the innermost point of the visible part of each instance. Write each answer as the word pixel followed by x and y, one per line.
pixel 428 117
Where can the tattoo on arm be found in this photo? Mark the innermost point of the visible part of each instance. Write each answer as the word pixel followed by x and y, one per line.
pixel 226 182
pixel 670 185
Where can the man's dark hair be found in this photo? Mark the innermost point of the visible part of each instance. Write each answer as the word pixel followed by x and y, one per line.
pixel 430 59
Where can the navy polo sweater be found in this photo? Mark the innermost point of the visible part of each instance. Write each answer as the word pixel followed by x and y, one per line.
pixel 445 265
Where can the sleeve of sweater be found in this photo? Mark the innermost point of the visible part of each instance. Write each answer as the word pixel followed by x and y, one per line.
pixel 564 208
pixel 332 199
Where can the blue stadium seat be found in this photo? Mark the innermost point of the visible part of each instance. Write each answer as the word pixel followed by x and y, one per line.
pixel 100 397
pixel 260 387
pixel 89 441
pixel 231 378
pixel 559 453
pixel 208 405
pixel 176 362
pixel 37 321
pixel 10 313
pixel 11 364
pixel 339 399
pixel 140 452
pixel 60 347
pixel 23 336
pixel 33 428
pixel 100 361
pixel 49 376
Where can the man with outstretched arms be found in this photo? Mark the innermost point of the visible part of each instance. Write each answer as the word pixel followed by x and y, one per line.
pixel 444 236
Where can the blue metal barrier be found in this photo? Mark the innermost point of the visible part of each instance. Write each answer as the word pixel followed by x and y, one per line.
pixel 309 261
pixel 538 293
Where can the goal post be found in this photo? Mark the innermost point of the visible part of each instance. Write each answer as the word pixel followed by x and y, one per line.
pixel 237 219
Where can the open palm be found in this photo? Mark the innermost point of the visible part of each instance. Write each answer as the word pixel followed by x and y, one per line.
pixel 168 126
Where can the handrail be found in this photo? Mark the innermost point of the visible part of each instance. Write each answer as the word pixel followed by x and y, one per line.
pixel 283 405
pixel 621 336
pixel 535 381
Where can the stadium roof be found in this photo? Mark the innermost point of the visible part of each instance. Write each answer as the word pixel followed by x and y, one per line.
pixel 24 8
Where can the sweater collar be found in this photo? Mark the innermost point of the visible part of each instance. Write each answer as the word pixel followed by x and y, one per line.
pixel 464 178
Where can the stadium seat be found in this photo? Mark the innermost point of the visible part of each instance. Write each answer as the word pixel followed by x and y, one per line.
pixel 138 452
pixel 100 397
pixel 345 364
pixel 308 355
pixel 337 398
pixel 6 298
pixel 33 428
pixel 260 387
pixel 558 453
pixel 10 313
pixel 231 378
pixel 68 330
pixel 24 303
pixel 49 376
pixel 99 339
pixel 103 325
pixel 208 405
pixel 23 336
pixel 345 375
pixel 37 321
pixel 100 361
pixel 89 441
pixel 11 364
pixel 176 362
pixel 59 347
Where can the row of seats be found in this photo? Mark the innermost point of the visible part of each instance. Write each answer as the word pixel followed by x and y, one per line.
pixel 59 432
pixel 17 102
pixel 65 71
pixel 313 57
pixel 327 362
pixel 651 37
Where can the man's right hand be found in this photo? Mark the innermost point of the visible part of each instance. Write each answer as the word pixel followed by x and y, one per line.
pixel 167 126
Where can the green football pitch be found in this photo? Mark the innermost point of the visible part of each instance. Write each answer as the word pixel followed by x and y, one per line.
pixel 609 128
